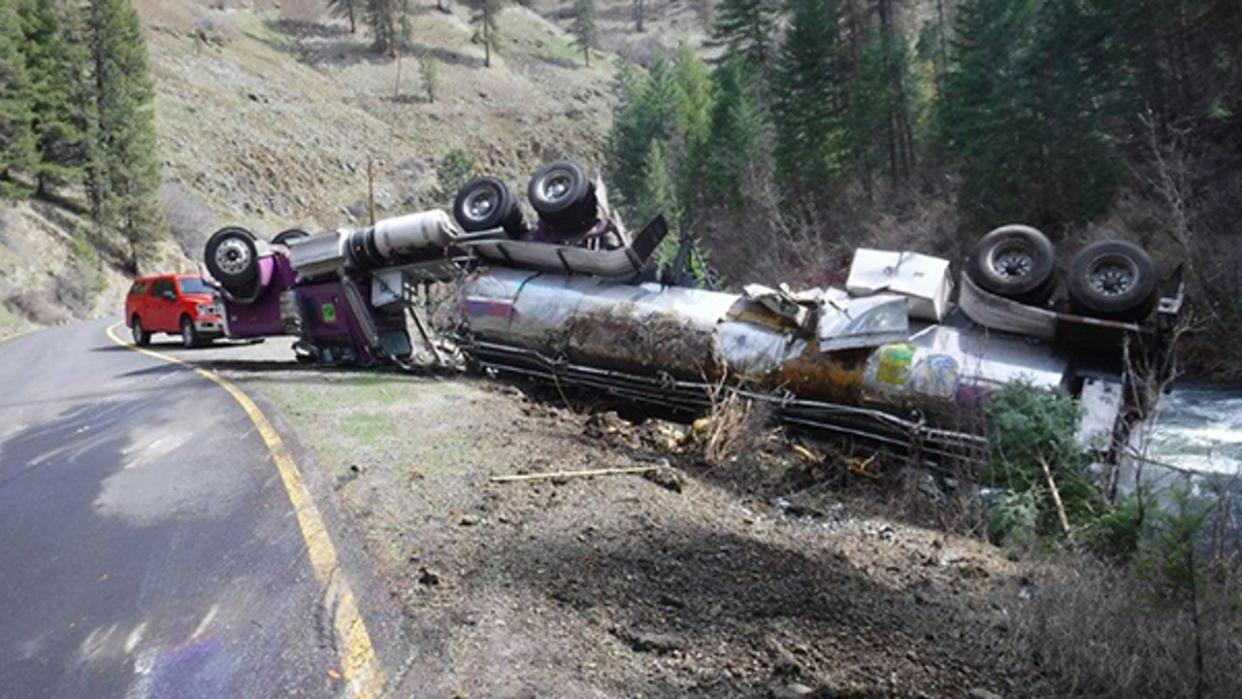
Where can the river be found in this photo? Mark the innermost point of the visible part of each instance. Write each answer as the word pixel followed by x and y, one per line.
pixel 1199 428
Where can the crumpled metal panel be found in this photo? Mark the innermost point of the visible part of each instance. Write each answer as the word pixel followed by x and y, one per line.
pixel 853 323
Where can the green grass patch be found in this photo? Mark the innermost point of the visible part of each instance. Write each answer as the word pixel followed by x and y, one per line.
pixel 368 427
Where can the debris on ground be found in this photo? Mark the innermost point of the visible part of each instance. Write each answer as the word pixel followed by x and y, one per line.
pixel 765 575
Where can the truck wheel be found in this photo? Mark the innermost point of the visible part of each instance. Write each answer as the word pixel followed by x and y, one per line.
pixel 232 257
pixel 1113 279
pixel 286 237
pixel 1016 262
pixel 142 338
pixel 485 203
pixel 563 196
pixel 189 335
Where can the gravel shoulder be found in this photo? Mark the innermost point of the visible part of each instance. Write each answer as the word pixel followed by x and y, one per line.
pixel 698 585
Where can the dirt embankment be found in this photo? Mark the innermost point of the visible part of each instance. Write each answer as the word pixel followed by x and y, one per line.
pixel 701 581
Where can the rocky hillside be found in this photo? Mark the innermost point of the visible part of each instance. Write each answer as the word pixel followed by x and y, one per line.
pixel 269 113
pixel 269 117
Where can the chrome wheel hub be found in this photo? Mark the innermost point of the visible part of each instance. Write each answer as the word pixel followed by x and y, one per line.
pixel 557 185
pixel 233 256
pixel 480 204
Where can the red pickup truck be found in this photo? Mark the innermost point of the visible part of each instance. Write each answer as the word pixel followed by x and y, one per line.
pixel 174 304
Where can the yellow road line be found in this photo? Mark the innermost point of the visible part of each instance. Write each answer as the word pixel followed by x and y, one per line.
pixel 23 333
pixel 359 663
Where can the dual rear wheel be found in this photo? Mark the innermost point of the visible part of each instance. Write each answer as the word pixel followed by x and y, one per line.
pixel 561 193
pixel 1108 279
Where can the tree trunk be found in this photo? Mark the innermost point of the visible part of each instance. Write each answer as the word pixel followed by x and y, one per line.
pixel 353 28
pixel 487 39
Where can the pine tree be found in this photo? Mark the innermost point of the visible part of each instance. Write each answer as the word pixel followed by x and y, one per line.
pixel 693 127
pixel 647 111
pixel 694 108
pixel 737 147
pixel 585 35
pixel 878 122
pixel 1023 111
pixel 389 21
pixel 56 65
pixel 124 169
pixel 487 18
pixel 17 138
pixel 428 66
pixel 344 8
pixel 808 98
pixel 746 28
pixel 657 194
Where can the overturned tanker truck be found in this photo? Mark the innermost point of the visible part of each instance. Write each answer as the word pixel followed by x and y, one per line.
pixel 901 355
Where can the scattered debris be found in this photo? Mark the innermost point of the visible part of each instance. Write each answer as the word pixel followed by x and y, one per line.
pixel 646 642
pixel 428 577
pixel 806 453
pixel 862 467
pixel 665 476
pixel 469 520
pixel 558 475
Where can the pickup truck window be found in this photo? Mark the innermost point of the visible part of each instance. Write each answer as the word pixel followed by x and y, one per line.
pixel 138 289
pixel 193 285
pixel 162 286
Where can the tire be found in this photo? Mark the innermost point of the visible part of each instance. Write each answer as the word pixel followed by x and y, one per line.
pixel 563 196
pixel 232 257
pixel 485 203
pixel 1016 262
pixel 142 338
pixel 286 237
pixel 1113 279
pixel 189 334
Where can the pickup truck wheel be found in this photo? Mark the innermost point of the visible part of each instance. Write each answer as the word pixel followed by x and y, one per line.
pixel 189 334
pixel 563 196
pixel 1015 262
pixel 1113 279
pixel 232 257
pixel 142 338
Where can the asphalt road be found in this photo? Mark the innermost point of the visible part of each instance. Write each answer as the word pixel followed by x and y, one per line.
pixel 147 545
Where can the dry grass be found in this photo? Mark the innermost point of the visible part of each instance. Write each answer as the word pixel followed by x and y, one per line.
pixel 1103 631
pixel 735 426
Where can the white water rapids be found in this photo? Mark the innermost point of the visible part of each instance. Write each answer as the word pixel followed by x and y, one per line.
pixel 1199 428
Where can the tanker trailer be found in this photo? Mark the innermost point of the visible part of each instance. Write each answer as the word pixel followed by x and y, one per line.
pixel 896 356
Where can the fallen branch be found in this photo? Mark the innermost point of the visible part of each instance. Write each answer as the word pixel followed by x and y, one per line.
pixel 1056 499
pixel 571 474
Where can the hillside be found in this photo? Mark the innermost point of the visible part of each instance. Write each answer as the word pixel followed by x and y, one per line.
pixel 270 120
pixel 267 118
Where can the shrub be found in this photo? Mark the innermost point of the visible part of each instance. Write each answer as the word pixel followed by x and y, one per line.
pixel 1035 455
pixel 454 169
pixel 1103 630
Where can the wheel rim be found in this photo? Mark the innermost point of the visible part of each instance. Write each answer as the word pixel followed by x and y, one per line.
pixel 137 329
pixel 556 185
pixel 1013 261
pixel 1112 275
pixel 233 256
pixel 187 333
pixel 481 203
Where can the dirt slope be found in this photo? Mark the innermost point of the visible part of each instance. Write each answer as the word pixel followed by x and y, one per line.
pixel 268 116
pixel 271 120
